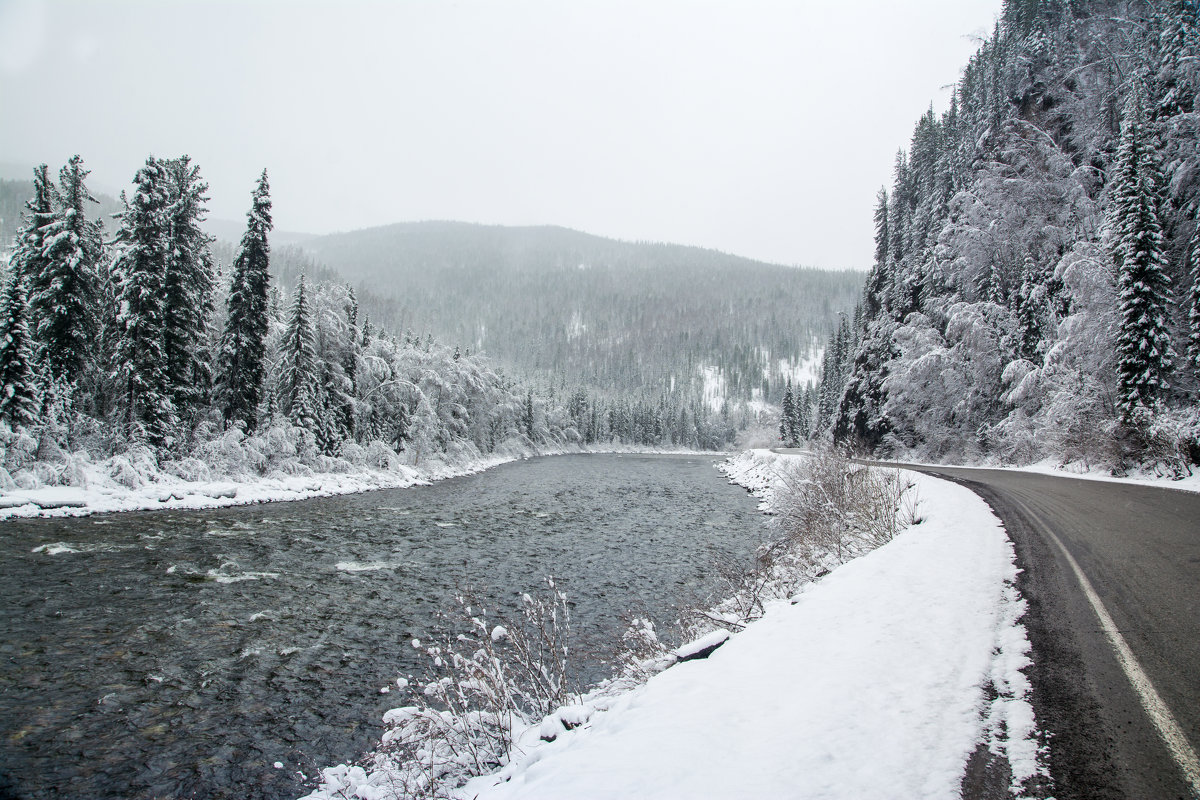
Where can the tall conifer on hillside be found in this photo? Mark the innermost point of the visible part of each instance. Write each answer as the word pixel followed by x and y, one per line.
pixel 62 295
pixel 875 292
pixel 18 382
pixel 804 412
pixel 140 271
pixel 29 245
pixel 787 418
pixel 1143 341
pixel 188 287
pixel 243 344
pixel 298 379
pixel 29 251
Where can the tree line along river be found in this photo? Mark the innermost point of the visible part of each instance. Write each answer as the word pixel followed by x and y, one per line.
pixel 184 653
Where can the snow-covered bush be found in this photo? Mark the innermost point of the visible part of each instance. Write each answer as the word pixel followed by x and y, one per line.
pixel 490 679
pixel 829 506
pixel 18 447
pixel 825 510
pixel 188 469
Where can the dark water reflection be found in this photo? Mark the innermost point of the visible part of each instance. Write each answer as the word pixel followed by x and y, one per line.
pixel 181 654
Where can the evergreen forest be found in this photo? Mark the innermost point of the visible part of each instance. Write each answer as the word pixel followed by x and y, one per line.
pixel 1036 286
pixel 146 345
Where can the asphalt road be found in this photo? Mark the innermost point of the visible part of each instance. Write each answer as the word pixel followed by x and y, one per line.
pixel 1139 549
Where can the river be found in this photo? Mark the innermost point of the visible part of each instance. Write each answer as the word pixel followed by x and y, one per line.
pixel 183 653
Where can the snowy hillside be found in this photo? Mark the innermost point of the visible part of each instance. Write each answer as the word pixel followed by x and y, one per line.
pixel 605 314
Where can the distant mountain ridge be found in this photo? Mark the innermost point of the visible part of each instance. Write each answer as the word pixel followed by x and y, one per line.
pixel 442 243
pixel 581 309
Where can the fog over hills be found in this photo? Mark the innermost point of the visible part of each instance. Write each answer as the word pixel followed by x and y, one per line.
pixel 580 309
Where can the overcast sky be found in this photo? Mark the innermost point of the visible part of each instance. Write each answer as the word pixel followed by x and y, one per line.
pixel 757 128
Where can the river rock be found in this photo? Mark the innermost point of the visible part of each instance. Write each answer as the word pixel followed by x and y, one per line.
pixel 702 647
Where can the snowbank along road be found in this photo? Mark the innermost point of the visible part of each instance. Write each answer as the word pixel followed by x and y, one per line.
pixel 1111 572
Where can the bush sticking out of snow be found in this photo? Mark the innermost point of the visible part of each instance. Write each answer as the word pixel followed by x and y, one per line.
pixel 488 684
pixel 825 511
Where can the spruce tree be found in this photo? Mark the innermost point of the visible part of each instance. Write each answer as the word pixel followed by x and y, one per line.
pixel 63 294
pixel 881 230
pixel 350 352
pixel 1029 333
pixel 140 270
pixel 1177 49
pixel 1193 305
pixel 188 287
pixel 527 415
pixel 787 419
pixel 29 252
pixel 367 333
pixel 1143 340
pixel 803 413
pixel 243 344
pixel 18 380
pixel 298 379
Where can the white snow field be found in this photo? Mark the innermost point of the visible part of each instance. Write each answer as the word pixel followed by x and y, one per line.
pixel 869 683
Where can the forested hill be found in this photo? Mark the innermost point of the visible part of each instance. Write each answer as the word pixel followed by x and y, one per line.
pixel 1036 288
pixel 582 309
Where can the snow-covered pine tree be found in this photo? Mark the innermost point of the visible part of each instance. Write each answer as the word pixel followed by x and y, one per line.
pixel 787 431
pixel 243 343
pixel 804 412
pixel 1029 334
pixel 335 390
pixel 18 379
pixel 1177 52
pixel 298 378
pixel 350 355
pixel 139 270
pixel 1143 341
pixel 527 415
pixel 875 293
pixel 29 252
pixel 62 296
pixel 367 333
pixel 188 288
pixel 1193 304
pixel 339 375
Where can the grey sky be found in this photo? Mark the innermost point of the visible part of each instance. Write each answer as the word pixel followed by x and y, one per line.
pixel 758 128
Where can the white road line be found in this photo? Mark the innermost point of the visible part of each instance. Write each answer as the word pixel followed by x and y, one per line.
pixel 1172 735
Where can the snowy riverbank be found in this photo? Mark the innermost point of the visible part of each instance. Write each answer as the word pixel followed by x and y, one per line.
pixel 132 486
pixel 878 680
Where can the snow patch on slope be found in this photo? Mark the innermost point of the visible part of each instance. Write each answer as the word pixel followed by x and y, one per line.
pixel 807 370
pixel 713 387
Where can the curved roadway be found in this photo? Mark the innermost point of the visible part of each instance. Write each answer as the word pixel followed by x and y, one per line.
pixel 1138 550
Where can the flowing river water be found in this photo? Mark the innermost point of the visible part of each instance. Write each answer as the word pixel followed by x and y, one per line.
pixel 176 654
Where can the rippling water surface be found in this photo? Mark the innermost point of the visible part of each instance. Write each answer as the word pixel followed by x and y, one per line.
pixel 181 654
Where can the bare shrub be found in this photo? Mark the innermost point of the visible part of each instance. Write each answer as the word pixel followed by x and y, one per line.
pixel 825 505
pixel 825 510
pixel 489 680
